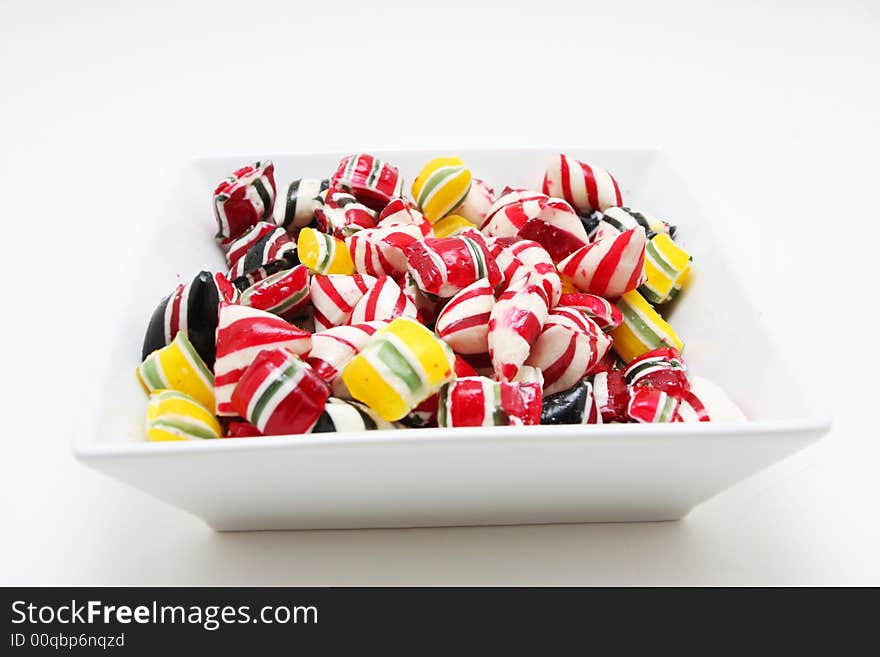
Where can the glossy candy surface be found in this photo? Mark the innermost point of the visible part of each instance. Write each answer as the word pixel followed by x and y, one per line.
pixel 296 208
pixel 243 199
pixel 323 253
pixel 586 187
pixel 443 267
pixel 172 415
pixel 608 268
pixel 666 267
pixel 402 365
pixel 481 402
pixel 642 329
pixel 279 393
pixel 372 181
pixel 178 366
pixel 441 186
pixel 285 294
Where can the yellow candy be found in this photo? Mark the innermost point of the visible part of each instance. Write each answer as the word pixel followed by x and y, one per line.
pixel 642 329
pixel 172 415
pixel 666 266
pixel 322 253
pixel 451 225
pixel 441 187
pixel 402 365
pixel 178 366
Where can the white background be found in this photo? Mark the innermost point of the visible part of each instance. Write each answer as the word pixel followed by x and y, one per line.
pixel 772 110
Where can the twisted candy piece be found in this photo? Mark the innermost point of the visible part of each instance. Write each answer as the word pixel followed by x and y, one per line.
pixel 518 258
pixel 577 405
pixel 243 199
pixel 441 186
pixel 334 296
pixel 642 329
pixel 666 267
pixel 568 349
pixel 241 429
pixel 333 348
pixel 323 253
pixel 191 308
pixel 178 366
pixel 285 294
pixel 585 187
pixel 443 267
pixel 510 217
pixel 280 394
pixel 236 249
pixel 382 251
pixel 385 300
pixel 480 402
pixel 372 181
pixel 515 323
pixel 661 368
pixel 612 395
pixel 464 321
pixel 402 365
pixel 297 208
pixel 557 228
pixel 172 415
pixel 508 197
pixel 651 405
pixel 476 203
pixel 600 310
pixel 270 254
pixel 340 415
pixel 624 219
pixel 243 333
pixel 401 213
pixel 339 214
pixel 610 267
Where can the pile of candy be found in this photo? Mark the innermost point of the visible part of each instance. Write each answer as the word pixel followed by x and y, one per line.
pixel 348 306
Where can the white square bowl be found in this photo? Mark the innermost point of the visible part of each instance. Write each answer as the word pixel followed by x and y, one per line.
pixel 430 477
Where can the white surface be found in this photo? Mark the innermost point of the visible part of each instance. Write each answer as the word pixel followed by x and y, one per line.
pixel 771 112
pixel 486 476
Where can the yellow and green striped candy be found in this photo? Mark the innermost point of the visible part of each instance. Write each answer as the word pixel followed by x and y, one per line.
pixel 172 415
pixel 178 366
pixel 451 225
pixel 642 329
pixel 441 187
pixel 323 253
pixel 402 365
pixel 666 266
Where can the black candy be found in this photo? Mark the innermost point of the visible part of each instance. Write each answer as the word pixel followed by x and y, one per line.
pixel 566 407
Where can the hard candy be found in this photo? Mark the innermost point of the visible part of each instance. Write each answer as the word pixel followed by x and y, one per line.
pixel 586 187
pixel 243 199
pixel 441 186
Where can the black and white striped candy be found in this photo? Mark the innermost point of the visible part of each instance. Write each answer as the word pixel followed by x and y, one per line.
pixel 341 415
pixel 296 208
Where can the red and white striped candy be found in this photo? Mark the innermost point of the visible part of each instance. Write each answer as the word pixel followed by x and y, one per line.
pixel 334 296
pixel 557 228
pixel 651 405
pixel 464 321
pixel 610 267
pixel 508 197
pixel 515 323
pixel 510 219
pixel 600 310
pixel 235 249
pixel 612 395
pixel 382 251
pixel 402 213
pixel 279 393
pixel 517 257
pixel 285 294
pixel 242 333
pixel 243 199
pixel 385 300
pixel 339 214
pixel 568 348
pixel 481 402
pixel 476 204
pixel 692 409
pixel 333 348
pixel 372 181
pixel 444 266
pixel 586 187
